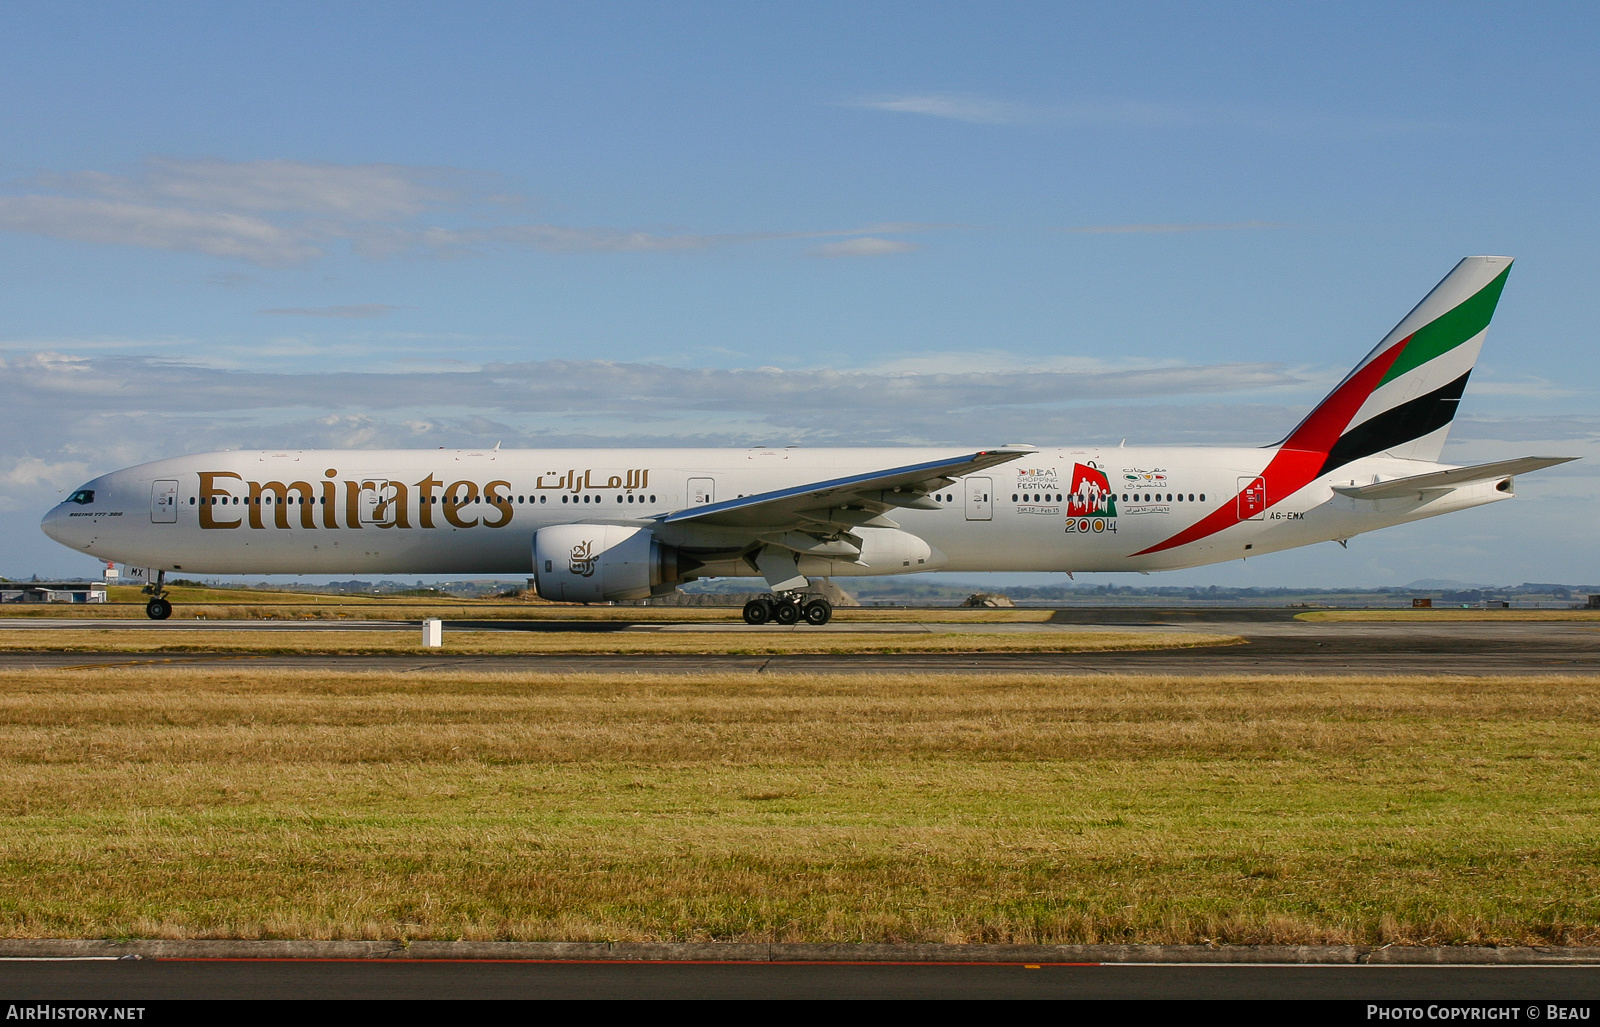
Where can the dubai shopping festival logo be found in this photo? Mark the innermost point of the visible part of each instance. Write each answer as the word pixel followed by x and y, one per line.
pixel 1091 505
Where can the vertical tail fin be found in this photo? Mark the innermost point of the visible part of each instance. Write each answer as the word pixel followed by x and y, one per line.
pixel 1401 399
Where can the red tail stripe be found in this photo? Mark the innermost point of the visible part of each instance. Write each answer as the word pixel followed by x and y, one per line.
pixel 1301 456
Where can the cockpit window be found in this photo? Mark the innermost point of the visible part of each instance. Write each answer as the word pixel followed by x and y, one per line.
pixel 83 497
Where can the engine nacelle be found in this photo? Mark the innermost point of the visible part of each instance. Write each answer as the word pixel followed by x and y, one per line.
pixel 595 563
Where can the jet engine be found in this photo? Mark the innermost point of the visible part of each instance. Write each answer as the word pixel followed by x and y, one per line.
pixel 594 563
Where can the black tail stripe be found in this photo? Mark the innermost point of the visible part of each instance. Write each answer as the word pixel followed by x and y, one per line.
pixel 1408 421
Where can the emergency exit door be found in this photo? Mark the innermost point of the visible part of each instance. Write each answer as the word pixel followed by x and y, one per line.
pixel 163 502
pixel 980 499
pixel 702 492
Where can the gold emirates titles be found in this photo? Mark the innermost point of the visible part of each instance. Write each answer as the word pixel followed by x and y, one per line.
pixel 392 504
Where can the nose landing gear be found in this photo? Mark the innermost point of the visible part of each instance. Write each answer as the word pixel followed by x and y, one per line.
pixel 159 607
pixel 788 608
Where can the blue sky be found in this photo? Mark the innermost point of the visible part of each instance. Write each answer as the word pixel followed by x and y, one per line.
pixel 1194 217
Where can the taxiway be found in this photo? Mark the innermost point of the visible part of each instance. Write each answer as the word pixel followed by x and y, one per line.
pixel 1272 645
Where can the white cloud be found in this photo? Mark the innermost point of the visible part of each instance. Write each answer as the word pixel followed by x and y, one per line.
pixel 1229 226
pixel 866 246
pixel 568 239
pixel 977 109
pixel 955 106
pixel 1556 429
pixel 28 477
pixel 1534 388
pixel 129 409
pixel 29 472
pixel 357 192
pixel 280 212
pixel 129 384
pixel 352 310
pixel 217 233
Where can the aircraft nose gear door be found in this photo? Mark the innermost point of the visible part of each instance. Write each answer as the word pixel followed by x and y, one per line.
pixel 1252 499
pixel 980 500
pixel 163 502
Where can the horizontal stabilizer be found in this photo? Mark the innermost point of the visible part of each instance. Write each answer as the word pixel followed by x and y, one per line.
pixel 876 491
pixel 1444 481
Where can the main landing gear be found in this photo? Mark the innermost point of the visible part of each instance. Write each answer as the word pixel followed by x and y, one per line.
pixel 159 607
pixel 788 608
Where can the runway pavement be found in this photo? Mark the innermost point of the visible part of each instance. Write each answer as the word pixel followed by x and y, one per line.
pixel 1271 646
pixel 133 981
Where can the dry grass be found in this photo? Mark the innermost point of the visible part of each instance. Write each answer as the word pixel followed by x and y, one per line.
pixel 763 642
pixel 239 604
pixel 1450 615
pixel 227 802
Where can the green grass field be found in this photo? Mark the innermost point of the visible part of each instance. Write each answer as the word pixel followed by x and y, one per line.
pixel 237 803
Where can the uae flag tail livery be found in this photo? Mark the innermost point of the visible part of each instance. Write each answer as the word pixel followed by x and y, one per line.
pixel 1398 402
pixel 1401 399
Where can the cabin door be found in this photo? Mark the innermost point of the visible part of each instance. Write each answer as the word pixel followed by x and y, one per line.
pixel 980 499
pixel 1252 499
pixel 163 502
pixel 702 492
pixel 377 502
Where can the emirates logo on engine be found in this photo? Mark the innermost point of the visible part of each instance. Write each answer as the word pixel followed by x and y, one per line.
pixel 582 560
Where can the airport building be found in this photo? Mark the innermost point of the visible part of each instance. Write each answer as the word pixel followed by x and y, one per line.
pixel 52 592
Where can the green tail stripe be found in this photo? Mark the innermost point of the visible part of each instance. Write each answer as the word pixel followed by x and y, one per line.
pixel 1450 329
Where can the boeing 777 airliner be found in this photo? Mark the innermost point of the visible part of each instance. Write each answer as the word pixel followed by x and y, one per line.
pixel 601 525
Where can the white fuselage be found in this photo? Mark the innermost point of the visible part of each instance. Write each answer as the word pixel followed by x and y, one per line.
pixel 371 512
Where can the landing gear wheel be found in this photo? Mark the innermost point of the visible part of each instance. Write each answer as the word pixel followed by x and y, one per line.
pixel 158 609
pixel 787 613
pixel 818 612
pixel 757 611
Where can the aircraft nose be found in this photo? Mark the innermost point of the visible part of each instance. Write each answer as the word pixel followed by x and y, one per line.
pixel 54 524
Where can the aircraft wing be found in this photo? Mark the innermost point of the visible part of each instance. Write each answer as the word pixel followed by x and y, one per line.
pixel 1444 481
pixel 870 493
